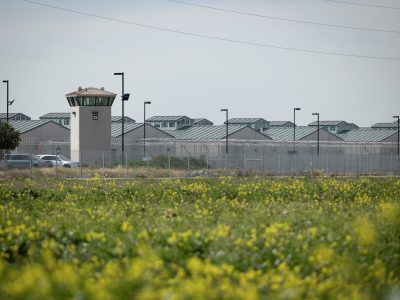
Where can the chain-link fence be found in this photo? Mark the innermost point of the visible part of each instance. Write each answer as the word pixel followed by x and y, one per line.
pixel 163 158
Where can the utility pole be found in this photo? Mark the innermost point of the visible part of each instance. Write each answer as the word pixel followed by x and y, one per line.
pixel 144 127
pixel 398 134
pixel 8 102
pixel 226 138
pixel 123 113
pixel 294 127
pixel 124 97
pixel 317 114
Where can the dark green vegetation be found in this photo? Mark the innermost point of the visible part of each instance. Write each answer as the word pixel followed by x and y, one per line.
pixel 9 137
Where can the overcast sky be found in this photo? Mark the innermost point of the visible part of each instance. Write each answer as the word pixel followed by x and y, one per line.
pixel 46 53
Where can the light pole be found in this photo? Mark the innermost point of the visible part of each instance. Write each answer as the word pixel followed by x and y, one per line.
pixel 226 143
pixel 294 127
pixel 9 103
pixel 398 134
pixel 317 114
pixel 123 112
pixel 144 127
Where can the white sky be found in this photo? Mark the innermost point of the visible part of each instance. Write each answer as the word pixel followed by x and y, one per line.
pixel 46 53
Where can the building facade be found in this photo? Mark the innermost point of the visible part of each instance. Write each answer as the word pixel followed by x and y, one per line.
pixel 170 122
pixel 334 126
pixel 258 124
pixel 14 117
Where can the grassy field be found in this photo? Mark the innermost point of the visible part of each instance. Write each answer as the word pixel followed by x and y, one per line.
pixel 231 238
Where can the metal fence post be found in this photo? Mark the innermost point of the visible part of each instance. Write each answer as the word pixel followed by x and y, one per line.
pixel 245 164
pixel 357 163
pixel 279 164
pixel 328 163
pixel 5 164
pixel 398 164
pixel 226 164
pixel 169 164
pixel 391 162
pixel 30 164
pixel 237 166
pixel 56 166
pixel 81 162
pixel 219 157
pixel 386 164
pixel 343 164
pixel 126 164
pixel 263 163
pixel 311 158
pixel 103 158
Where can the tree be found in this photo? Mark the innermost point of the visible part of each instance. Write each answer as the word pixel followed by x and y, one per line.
pixel 9 137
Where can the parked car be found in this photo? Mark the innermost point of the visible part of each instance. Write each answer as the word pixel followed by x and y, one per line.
pixel 60 160
pixel 20 160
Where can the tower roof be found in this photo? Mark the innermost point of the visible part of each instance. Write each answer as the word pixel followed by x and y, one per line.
pixel 90 97
pixel 91 91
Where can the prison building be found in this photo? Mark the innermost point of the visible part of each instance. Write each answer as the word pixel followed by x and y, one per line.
pixel 237 132
pixel 64 118
pixel 42 136
pixel 118 119
pixel 281 124
pixel 157 141
pixel 14 117
pixel 134 132
pixel 202 122
pixel 370 135
pixel 258 124
pixel 385 126
pixel 40 130
pixel 334 126
pixel 303 133
pixel 353 126
pixel 211 140
pixel 170 122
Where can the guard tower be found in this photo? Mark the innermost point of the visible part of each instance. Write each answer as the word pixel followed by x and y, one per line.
pixel 90 123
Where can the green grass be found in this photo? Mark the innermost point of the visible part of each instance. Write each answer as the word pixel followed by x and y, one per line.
pixel 234 238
